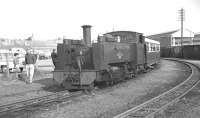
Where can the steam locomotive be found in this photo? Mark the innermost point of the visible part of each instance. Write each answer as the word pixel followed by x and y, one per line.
pixel 114 57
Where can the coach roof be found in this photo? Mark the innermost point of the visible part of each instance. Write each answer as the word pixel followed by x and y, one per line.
pixel 151 41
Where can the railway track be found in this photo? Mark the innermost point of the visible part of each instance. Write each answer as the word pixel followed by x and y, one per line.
pixel 159 103
pixel 39 101
pixel 147 109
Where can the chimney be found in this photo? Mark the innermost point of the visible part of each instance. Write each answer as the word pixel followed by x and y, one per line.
pixel 87 34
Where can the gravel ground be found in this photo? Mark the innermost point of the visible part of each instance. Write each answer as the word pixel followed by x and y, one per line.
pixel 186 107
pixel 113 100
pixel 12 89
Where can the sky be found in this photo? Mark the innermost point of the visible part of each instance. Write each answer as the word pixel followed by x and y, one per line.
pixel 50 19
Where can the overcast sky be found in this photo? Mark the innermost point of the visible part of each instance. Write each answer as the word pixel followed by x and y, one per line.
pixel 49 19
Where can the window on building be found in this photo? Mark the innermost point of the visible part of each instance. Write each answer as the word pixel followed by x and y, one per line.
pixel 157 47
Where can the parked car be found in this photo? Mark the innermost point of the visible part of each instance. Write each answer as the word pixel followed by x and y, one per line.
pixel 6 60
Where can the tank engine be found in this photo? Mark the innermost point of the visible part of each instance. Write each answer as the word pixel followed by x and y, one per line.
pixel 116 56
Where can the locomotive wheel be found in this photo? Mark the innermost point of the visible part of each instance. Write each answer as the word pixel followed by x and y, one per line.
pixel 62 85
pixel 66 85
pixel 107 83
pixel 145 71
pixel 112 82
pixel 133 76
pixel 89 89
pixel 91 86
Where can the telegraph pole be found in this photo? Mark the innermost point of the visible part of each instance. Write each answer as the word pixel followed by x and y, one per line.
pixel 182 18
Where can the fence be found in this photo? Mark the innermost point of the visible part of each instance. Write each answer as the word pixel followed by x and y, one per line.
pixel 187 52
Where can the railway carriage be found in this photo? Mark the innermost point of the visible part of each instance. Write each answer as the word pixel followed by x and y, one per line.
pixel 153 51
pixel 116 56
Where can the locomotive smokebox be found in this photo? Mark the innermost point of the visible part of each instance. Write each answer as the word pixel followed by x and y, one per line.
pixel 87 34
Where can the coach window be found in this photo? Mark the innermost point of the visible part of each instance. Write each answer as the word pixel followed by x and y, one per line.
pixel 150 49
pixel 158 47
pixel 154 47
pixel 118 39
pixel 147 46
pixel 124 38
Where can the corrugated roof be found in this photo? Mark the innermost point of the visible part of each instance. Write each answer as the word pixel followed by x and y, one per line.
pixel 162 34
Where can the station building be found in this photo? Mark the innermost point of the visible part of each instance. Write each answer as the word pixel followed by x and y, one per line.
pixel 173 38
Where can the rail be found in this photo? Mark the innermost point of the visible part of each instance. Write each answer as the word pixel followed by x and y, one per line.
pixel 22 105
pixel 159 103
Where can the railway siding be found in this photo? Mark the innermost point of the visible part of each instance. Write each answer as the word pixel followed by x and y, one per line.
pixel 149 108
pixel 187 106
